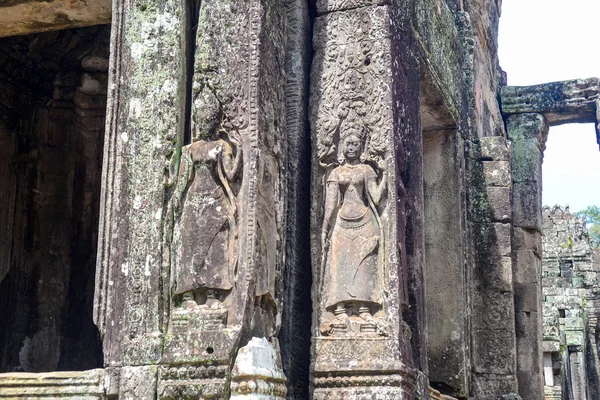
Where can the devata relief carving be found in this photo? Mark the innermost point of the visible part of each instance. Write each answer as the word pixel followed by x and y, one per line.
pixel 225 232
pixel 358 331
pixel 205 244
pixel 353 238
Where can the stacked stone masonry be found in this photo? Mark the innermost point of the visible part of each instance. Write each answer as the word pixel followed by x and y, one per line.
pixel 283 199
pixel 571 273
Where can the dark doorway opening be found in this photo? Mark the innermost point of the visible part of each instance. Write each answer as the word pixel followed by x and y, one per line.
pixel 53 89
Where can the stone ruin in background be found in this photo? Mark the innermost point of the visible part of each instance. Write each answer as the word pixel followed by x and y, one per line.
pixel 571 306
pixel 272 199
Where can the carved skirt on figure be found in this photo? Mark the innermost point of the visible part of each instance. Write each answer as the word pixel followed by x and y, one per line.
pixel 352 267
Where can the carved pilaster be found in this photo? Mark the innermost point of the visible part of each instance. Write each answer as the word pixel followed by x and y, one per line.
pixel 224 229
pixel 359 336
pixel 192 236
pixel 143 127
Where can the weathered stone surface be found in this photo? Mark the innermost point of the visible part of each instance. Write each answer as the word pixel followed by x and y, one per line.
pixel 437 37
pixel 85 385
pixel 145 96
pixel 559 102
pixel 424 234
pixel 205 204
pixel 257 372
pixel 20 17
pixel 138 382
pixel 570 308
pixel 527 133
pixel 494 148
pixel 445 274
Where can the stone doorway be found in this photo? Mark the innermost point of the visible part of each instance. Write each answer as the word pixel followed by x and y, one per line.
pixel 529 113
pixel 53 89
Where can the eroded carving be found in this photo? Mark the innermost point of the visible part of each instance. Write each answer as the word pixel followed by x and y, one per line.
pixel 206 219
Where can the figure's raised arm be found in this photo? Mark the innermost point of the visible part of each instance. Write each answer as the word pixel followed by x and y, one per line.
pixel 232 167
pixel 377 190
pixel 332 191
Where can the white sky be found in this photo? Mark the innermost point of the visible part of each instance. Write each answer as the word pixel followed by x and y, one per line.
pixel 553 40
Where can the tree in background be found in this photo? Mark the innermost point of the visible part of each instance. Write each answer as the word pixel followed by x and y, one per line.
pixel 592 218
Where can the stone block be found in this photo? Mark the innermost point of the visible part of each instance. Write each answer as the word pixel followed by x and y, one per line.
pixel 550 346
pixel 527 239
pixel 559 102
pixel 575 338
pixel 492 204
pixel 527 203
pixel 492 240
pixel 492 352
pixel 138 383
pixel 493 310
pixel 526 126
pixel 499 202
pixel 497 173
pixel 494 148
pixel 25 17
pixel 526 160
pixel 489 386
pixel 527 267
pixel 497 274
pixel 528 297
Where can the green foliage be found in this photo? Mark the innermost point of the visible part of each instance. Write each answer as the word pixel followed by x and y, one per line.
pixel 592 218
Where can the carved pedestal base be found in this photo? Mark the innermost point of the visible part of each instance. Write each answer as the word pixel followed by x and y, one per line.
pixel 205 381
pixel 359 368
pixel 257 373
pixel 398 385
pixel 199 362
pixel 199 347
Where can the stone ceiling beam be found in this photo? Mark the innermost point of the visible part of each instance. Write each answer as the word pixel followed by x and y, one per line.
pixel 22 17
pixel 564 102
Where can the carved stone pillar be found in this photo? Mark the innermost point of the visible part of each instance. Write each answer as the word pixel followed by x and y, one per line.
pixel 192 238
pixel 143 128
pixel 359 338
pixel 528 133
pixel 224 233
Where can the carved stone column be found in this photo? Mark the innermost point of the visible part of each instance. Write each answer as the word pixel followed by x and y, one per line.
pixel 359 337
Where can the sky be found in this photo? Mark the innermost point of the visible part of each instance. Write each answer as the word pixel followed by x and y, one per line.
pixel 554 40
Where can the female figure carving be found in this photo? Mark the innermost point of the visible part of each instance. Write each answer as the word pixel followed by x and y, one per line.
pixel 205 241
pixel 352 236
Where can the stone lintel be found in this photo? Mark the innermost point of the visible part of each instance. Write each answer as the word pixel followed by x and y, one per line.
pixel 559 102
pixel 22 17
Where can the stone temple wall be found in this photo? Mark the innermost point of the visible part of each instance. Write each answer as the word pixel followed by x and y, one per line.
pixel 274 199
pixel 571 274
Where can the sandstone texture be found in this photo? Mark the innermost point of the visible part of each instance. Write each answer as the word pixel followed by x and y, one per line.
pixel 283 199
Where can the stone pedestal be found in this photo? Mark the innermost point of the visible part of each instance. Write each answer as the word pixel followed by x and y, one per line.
pixel 257 372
